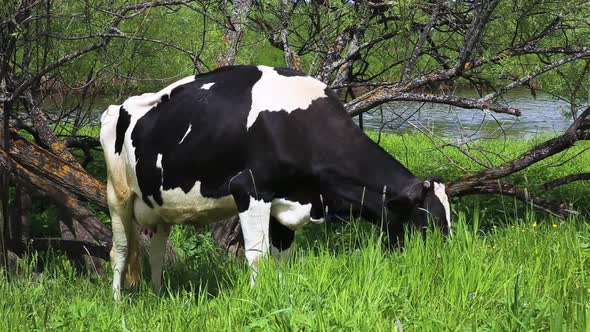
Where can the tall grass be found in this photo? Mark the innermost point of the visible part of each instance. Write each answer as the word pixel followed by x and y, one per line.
pixel 506 268
pixel 524 276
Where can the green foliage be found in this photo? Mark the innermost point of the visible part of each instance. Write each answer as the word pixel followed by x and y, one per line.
pixel 144 63
pixel 416 151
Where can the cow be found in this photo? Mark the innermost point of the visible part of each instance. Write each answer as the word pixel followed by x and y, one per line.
pixel 272 145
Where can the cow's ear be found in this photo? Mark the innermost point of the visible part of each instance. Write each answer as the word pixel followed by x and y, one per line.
pixel 436 178
pixel 413 194
pixel 420 190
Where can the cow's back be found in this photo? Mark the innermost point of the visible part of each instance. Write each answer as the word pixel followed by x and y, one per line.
pixel 197 134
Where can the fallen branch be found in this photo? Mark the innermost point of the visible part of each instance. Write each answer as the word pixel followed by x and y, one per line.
pixel 565 180
pixel 53 169
pixel 486 181
pixel 387 94
pixel 560 209
pixel 70 247
pixel 534 155
pixel 50 190
pixel 228 235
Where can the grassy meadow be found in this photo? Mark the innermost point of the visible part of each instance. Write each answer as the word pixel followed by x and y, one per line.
pixel 506 268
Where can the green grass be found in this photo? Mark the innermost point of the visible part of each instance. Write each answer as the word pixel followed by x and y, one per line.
pixel 523 276
pixel 506 268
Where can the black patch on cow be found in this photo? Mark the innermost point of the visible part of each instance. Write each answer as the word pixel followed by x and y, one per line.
pixel 289 72
pixel 281 237
pixel 165 98
pixel 215 150
pixel 122 124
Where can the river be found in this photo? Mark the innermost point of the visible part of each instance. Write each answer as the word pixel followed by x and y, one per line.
pixel 543 115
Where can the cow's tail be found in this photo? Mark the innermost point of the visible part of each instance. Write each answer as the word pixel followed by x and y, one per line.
pixel 133 269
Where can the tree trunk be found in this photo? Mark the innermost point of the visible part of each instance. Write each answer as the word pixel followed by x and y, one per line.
pixel 233 36
pixel 4 188
pixel 20 221
pixel 57 194
pixel 3 231
pixel 72 230
pixel 45 175
pixel 228 235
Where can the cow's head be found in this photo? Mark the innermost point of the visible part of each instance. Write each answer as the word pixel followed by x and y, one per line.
pixel 424 202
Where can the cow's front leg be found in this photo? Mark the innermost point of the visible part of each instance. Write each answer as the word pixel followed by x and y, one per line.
pixel 254 221
pixel 254 212
pixel 281 240
pixel 157 253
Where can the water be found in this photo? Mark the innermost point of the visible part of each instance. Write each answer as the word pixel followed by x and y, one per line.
pixel 543 115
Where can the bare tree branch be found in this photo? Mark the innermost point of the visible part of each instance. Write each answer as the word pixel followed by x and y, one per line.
pixel 120 17
pixel 359 105
pixel 540 152
pixel 534 74
pixel 411 63
pixel 565 180
pixel 497 187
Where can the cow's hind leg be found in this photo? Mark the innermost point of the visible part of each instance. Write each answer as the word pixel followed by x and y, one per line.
pixel 119 250
pixel 254 212
pixel 157 232
pixel 124 249
pixel 157 253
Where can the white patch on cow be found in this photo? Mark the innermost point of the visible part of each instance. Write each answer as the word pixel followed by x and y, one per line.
pixel 152 200
pixel 159 161
pixel 293 215
pixel 137 107
pixel 255 228
pixel 320 220
pixel 440 192
pixel 167 90
pixel 274 93
pixel 110 115
pixel 186 134
pixel 193 208
pixel 207 86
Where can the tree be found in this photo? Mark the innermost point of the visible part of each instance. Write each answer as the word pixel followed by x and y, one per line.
pixel 486 44
pixel 29 64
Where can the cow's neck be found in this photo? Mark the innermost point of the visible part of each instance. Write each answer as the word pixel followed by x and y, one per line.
pixel 364 172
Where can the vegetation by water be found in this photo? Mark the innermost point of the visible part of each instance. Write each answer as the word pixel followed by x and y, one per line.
pixel 506 268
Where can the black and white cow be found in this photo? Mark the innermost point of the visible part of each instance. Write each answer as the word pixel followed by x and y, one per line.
pixel 270 144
